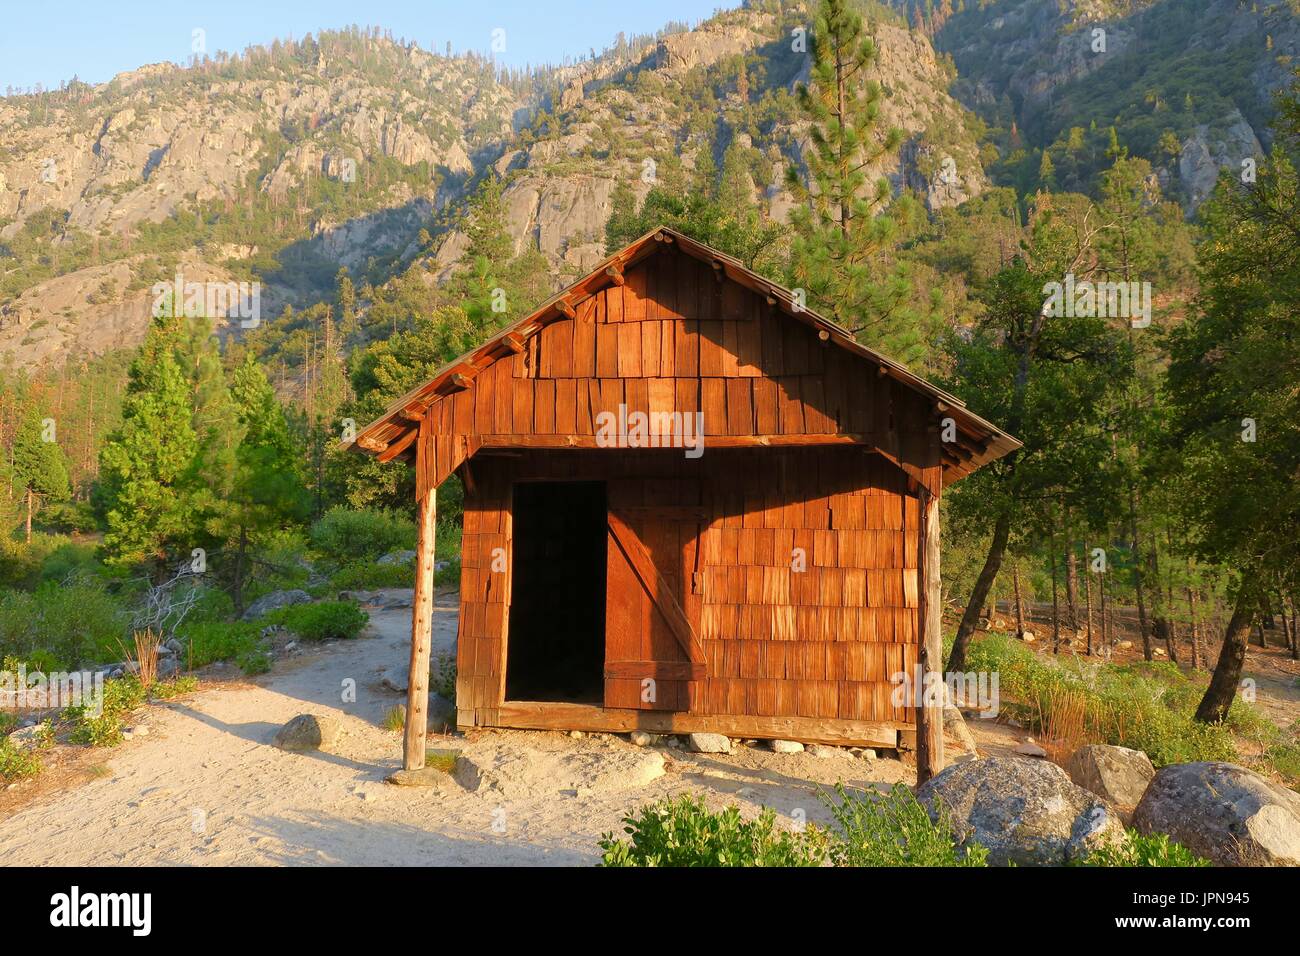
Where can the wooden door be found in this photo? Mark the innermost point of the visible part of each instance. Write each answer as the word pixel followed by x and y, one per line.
pixel 652 650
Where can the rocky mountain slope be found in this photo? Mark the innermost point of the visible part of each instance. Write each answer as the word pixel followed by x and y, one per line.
pixel 1187 84
pixel 355 150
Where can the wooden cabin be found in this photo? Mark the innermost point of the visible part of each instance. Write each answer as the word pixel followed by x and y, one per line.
pixel 690 505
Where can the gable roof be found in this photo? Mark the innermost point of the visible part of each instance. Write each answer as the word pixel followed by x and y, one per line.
pixel 392 434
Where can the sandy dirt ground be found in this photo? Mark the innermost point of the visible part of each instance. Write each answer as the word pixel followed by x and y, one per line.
pixel 205 786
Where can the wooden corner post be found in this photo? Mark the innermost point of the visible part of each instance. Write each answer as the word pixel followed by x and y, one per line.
pixel 417 699
pixel 929 713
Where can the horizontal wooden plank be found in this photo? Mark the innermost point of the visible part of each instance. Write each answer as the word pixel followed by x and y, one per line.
pixel 658 670
pixel 545 715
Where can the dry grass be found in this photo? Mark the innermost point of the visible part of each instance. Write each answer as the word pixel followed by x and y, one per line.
pixel 1063 719
pixel 144 655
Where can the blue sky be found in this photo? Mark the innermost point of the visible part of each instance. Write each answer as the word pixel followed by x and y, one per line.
pixel 47 42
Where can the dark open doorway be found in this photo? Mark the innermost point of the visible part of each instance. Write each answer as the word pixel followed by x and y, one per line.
pixel 555 645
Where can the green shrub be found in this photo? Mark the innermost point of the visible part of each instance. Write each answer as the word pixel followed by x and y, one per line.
pixel 102 731
pixel 343 535
pixel 684 832
pixel 892 829
pixel 176 687
pixel 255 660
pixel 1138 849
pixel 210 641
pixel 322 621
pixel 281 563
pixel 358 575
pixel 70 562
pixel 121 696
pixel 17 763
pixel 74 624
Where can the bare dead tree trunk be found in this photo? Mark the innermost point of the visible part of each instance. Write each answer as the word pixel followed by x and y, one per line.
pixel 1196 631
pixel 1087 599
pixel 1020 603
pixel 1105 620
pixel 29 514
pixel 1232 657
pixel 1056 610
pixel 1137 571
pixel 1287 635
pixel 983 584
pixel 1072 588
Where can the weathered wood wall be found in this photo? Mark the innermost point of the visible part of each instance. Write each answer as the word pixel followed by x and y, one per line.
pixel 724 530
pixel 821 642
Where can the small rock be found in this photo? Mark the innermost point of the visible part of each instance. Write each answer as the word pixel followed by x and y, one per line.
pixel 709 743
pixel 26 738
pixel 423 777
pixel 275 600
pixel 307 732
pixel 397 557
pixel 869 754
pixel 576 734
pixel 1124 645
pixel 1030 749
pixel 785 746
pixel 641 739
pixel 674 743
pixel 821 750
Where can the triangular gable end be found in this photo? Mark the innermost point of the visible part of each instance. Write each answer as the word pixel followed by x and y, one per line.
pixel 668 325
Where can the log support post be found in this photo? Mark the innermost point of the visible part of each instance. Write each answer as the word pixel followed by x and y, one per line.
pixel 417 700
pixel 929 712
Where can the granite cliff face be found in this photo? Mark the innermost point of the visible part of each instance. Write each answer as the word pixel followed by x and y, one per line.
pixel 288 162
pixel 1187 83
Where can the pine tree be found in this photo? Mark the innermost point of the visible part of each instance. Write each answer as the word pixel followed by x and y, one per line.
pixel 268 492
pixel 842 252
pixel 39 466
pixel 147 464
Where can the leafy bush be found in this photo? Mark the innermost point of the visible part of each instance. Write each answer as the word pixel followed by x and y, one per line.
pixel 210 641
pixel 121 696
pixel 176 687
pixel 1155 849
pixel 71 624
pixel 70 562
pixel 281 563
pixel 255 660
pixel 892 829
pixel 684 832
pixel 323 621
pixel 356 575
pixel 344 535
pixel 17 763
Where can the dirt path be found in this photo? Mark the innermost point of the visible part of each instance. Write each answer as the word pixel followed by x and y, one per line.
pixel 206 787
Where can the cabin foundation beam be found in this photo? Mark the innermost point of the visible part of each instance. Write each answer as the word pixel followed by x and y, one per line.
pixel 417 699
